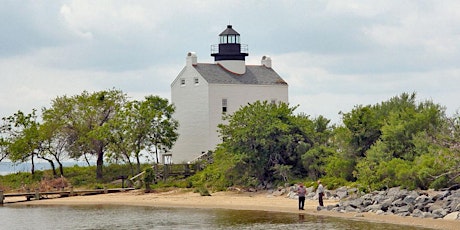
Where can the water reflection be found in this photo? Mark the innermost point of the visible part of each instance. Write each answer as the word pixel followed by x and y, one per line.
pixel 129 217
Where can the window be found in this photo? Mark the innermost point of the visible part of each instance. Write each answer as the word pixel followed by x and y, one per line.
pixel 224 105
pixel 182 82
pixel 273 101
pixel 196 81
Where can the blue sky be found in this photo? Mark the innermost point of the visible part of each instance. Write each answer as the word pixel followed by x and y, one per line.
pixel 333 54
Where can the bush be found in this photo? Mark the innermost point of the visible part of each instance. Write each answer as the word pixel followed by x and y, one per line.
pixel 203 191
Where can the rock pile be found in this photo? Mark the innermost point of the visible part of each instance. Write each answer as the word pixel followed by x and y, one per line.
pixel 395 201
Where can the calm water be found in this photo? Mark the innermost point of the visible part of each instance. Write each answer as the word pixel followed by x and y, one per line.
pixel 127 217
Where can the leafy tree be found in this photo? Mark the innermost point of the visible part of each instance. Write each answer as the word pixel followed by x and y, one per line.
pixel 401 126
pixel 265 137
pixel 403 144
pixel 342 163
pixel 85 120
pixel 22 137
pixel 162 128
pixel 314 159
pixel 53 145
pixel 364 127
pixel 141 125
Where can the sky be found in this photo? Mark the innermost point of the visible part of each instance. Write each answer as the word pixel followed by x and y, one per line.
pixel 334 55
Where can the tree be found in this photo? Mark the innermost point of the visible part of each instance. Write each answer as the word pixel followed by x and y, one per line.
pixel 22 137
pixel 391 160
pixel 315 158
pixel 142 125
pixel 267 138
pixel 364 127
pixel 84 120
pixel 162 128
pixel 53 144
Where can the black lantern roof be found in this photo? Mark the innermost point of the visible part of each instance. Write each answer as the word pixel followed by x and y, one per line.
pixel 229 31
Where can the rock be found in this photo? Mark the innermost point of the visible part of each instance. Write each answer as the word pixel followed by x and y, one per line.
pixel 279 192
pixel 404 209
pixel 350 209
pixel 422 199
pixel 410 199
pixel 452 216
pixel 434 206
pixel 342 194
pixel 379 212
pixel 398 203
pixel 417 213
pixel 427 215
pixel 439 213
pixel 373 208
pixel 441 195
pixel 356 202
pixel 386 204
pixel 404 214
pixel 393 191
pixel 319 208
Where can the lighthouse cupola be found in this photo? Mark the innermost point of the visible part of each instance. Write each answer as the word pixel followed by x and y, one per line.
pixel 230 53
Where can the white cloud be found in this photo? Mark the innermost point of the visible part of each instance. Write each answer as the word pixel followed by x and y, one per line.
pixel 333 54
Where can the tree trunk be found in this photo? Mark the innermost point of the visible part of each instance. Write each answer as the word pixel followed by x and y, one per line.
pixel 131 166
pixel 138 163
pixel 53 167
pixel 61 168
pixel 156 153
pixel 86 159
pixel 32 170
pixel 99 164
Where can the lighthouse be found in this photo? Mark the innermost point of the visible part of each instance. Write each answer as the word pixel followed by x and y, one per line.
pixel 203 92
pixel 229 53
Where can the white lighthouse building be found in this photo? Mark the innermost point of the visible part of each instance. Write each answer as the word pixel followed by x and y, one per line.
pixel 203 92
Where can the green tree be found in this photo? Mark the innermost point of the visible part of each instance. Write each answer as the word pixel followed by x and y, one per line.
pixel 266 137
pixel 315 158
pixel 53 145
pixel 364 125
pixel 400 148
pixel 22 137
pixel 342 163
pixel 142 125
pixel 84 120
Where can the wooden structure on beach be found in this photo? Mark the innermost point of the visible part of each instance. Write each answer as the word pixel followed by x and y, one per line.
pixel 164 171
pixel 37 195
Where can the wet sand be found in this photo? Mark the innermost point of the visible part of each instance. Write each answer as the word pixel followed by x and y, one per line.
pixel 231 200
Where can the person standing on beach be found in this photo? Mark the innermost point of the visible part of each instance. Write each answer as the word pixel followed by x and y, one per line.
pixel 301 191
pixel 320 191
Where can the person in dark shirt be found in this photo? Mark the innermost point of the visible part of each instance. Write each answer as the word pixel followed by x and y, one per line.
pixel 301 191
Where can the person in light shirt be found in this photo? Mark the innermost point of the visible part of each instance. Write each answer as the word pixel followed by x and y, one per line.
pixel 320 191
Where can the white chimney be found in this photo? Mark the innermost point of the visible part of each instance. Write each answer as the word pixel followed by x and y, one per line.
pixel 191 59
pixel 267 61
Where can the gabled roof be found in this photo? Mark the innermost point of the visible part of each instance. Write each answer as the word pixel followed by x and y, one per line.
pixel 255 75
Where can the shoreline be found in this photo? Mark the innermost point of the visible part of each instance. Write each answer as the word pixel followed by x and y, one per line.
pixel 260 201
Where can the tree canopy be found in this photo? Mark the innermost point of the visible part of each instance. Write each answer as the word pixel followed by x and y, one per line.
pixel 399 142
pixel 103 125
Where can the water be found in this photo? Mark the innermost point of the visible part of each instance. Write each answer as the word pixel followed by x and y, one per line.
pixel 130 217
pixel 9 167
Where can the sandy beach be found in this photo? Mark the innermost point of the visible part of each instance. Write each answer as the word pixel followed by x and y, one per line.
pixel 231 200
